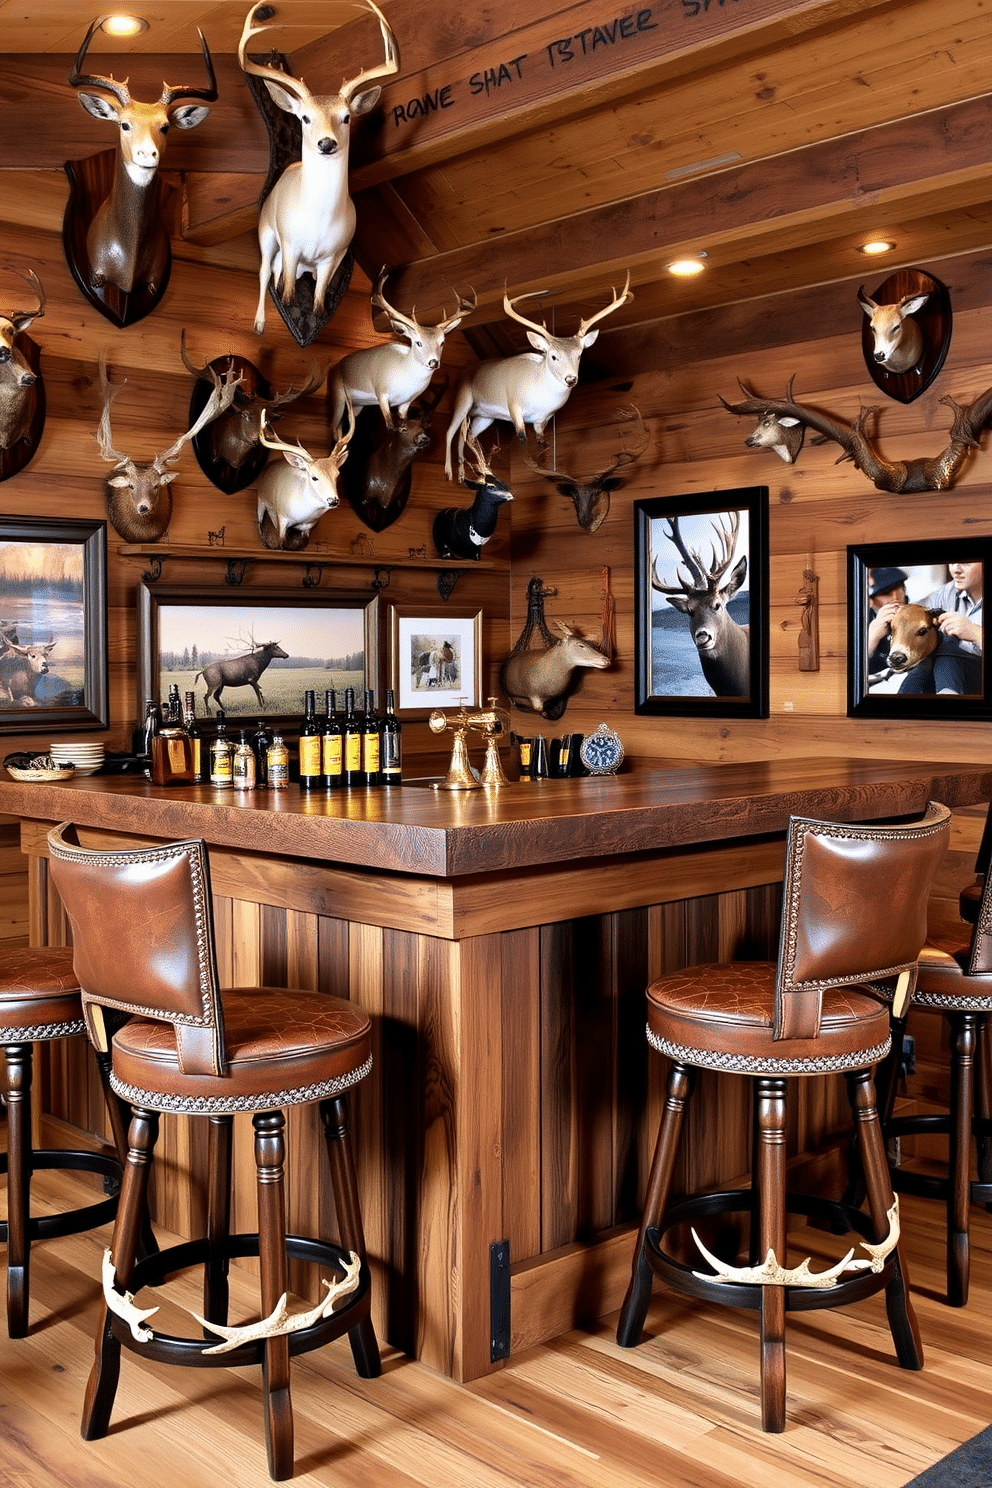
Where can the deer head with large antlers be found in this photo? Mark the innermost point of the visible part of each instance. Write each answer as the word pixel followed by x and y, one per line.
pixel 17 379
pixel 308 219
pixel 591 497
pixel 394 374
pixel 296 491
pixel 127 244
pixel 702 594
pixel 527 388
pixel 139 502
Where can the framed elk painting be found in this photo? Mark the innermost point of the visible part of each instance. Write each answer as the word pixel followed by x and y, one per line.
pixel 254 654
pixel 53 625
pixel 701 584
pixel 915 617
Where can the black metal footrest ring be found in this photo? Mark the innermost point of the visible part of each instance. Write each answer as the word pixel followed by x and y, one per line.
pixel 86 1216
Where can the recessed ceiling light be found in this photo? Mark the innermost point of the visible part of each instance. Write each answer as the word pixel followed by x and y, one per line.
pixel 876 246
pixel 123 25
pixel 685 268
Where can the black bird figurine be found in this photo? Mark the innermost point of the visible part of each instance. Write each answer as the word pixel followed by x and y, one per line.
pixel 462 532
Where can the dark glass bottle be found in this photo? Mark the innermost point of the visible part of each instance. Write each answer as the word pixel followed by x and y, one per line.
pixel 391 751
pixel 370 742
pixel 260 741
pixel 352 732
pixel 332 744
pixel 198 743
pixel 311 764
pixel 141 741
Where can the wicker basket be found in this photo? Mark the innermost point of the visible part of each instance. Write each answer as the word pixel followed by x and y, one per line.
pixel 34 772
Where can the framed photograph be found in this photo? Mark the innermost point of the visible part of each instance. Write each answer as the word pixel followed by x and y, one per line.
pixel 254 654
pixel 701 609
pixel 434 660
pixel 53 625
pixel 915 638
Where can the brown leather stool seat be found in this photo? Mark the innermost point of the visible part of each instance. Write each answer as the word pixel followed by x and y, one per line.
pixel 40 1002
pixel 955 982
pixel 191 1049
pixel 853 921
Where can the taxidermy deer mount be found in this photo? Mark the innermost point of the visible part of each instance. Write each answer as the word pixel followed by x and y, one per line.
pixel 22 392
pixel 936 473
pixel 591 497
pixel 379 472
pixel 539 678
pixel 462 533
pixel 906 332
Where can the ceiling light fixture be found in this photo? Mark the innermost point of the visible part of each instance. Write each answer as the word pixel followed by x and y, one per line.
pixel 123 25
pixel 685 268
pixel 876 246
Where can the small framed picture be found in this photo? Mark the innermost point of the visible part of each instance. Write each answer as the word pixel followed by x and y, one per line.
pixel 915 617
pixel 434 660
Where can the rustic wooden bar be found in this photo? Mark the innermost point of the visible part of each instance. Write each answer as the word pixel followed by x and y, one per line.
pixel 503 939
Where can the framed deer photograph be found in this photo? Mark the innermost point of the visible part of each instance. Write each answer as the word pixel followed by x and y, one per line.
pixel 254 654
pixel 53 625
pixel 915 616
pixel 701 585
pixel 434 660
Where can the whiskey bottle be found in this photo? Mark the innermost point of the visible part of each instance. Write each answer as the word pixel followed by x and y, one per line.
pixel 198 744
pixel 277 764
pixel 172 748
pixel 332 744
pixel 243 764
pixel 352 732
pixel 310 746
pixel 260 741
pixel 221 758
pixel 370 742
pixel 391 750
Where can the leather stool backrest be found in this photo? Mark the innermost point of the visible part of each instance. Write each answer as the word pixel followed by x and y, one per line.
pixel 980 951
pixel 854 908
pixel 142 938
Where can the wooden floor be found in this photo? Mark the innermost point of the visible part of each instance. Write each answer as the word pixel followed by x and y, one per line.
pixel 680 1411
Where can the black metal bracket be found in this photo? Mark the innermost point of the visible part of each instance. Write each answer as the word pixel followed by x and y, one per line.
pixel 313 576
pixel 378 582
pixel 499 1300
pixel 154 573
pixel 236 568
pixel 447 578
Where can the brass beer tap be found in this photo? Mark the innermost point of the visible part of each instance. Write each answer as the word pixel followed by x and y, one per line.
pixel 491 723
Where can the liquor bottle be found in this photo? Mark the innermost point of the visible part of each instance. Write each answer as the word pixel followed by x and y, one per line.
pixel 243 764
pixel 221 758
pixel 391 752
pixel 370 742
pixel 311 763
pixel 277 764
pixel 332 744
pixel 141 739
pixel 352 732
pixel 198 744
pixel 172 748
pixel 260 741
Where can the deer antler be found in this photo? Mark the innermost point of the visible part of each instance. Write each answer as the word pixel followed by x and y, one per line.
pixel 16 315
pixel 103 434
pixel 772 1273
pixel 702 578
pixel 617 301
pixel 219 402
pixel 297 86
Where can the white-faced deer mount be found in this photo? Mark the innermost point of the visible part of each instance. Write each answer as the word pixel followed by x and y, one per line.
pixel 296 491
pixel 905 333
pixel 591 497
pixel 392 375
pixel 527 388
pixel 702 594
pixel 22 391
pixel 307 219
pixel 935 473
pixel 139 501
pixel 229 450
pixel 114 231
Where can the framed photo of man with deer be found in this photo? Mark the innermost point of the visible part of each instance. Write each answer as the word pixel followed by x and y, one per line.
pixel 916 631
pixel 53 625
pixel 253 654
pixel 701 585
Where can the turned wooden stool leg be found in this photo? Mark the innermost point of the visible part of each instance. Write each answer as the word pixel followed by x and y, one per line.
pixel 344 1185
pixel 962 1106
pixel 270 1159
pixel 681 1083
pixel 770 1169
pixel 898 1307
pixel 983 1099
pixel 119 1113
pixel 20 1062
pixel 131 1212
pixel 215 1272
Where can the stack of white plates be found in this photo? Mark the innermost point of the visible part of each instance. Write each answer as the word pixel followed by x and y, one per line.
pixel 87 757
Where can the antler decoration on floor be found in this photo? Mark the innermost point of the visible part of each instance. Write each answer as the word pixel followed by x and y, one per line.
pixel 278 1322
pixel 773 1273
pixel 898 476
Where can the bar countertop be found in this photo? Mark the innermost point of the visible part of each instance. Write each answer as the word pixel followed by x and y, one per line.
pixel 444 834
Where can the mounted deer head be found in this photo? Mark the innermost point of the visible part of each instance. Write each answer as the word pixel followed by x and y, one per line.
pixel 591 497
pixel 127 244
pixel 377 477
pixel 527 388
pixel 296 491
pixel 898 341
pixel 308 219
pixel 17 379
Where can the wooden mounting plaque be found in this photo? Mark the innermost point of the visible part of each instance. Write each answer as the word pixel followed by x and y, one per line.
pixel 225 476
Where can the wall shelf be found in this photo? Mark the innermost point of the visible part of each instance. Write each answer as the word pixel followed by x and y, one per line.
pixel 235 563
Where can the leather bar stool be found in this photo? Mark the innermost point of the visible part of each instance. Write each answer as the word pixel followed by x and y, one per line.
pixel 955 982
pixel 971 895
pixel 143 943
pixel 40 1002
pixel 854 914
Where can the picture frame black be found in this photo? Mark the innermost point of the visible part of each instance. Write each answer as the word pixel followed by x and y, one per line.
pixel 950 681
pixel 318 629
pixel 669 663
pixel 53 610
